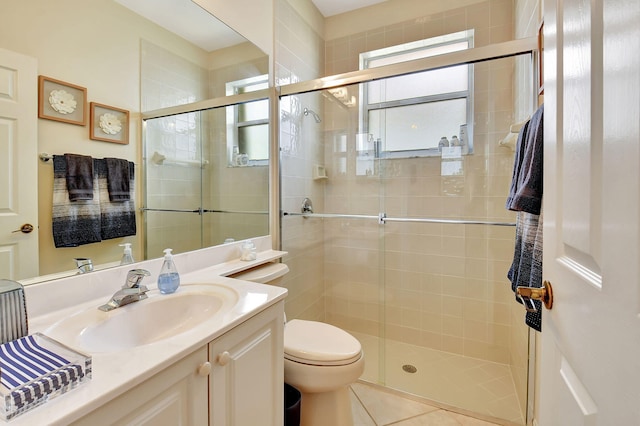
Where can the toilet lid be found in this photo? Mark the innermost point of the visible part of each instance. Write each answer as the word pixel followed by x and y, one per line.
pixel 318 343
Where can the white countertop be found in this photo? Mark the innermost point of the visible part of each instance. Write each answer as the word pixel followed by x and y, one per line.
pixel 116 372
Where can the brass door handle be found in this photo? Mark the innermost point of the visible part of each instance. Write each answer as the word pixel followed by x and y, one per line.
pixel 25 229
pixel 528 294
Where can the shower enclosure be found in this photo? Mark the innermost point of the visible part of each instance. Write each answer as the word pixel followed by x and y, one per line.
pixel 407 243
pixel 196 193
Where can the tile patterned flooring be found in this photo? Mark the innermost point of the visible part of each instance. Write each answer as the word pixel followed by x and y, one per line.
pixel 372 405
pixel 449 380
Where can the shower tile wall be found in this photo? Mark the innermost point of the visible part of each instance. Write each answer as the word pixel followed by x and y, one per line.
pixel 491 19
pixel 445 285
pixel 299 57
pixel 234 188
pixel 167 80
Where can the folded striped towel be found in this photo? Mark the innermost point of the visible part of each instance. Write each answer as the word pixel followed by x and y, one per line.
pixel 31 372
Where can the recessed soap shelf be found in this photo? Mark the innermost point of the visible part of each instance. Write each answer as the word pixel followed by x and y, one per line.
pixel 319 172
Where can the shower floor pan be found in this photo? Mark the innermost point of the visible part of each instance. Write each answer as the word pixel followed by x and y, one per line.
pixel 469 384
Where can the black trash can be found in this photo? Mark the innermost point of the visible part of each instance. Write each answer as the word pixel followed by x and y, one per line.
pixel 292 401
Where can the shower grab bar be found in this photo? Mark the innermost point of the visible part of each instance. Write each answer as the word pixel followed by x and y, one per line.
pixel 382 219
pixel 200 211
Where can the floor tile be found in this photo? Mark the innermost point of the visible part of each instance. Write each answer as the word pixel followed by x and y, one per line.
pixel 435 418
pixel 385 408
pixel 375 406
pixel 360 415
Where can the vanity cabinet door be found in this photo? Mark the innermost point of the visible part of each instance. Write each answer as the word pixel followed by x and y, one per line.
pixel 176 396
pixel 247 377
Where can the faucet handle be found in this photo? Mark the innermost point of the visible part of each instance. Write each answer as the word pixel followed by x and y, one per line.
pixel 84 264
pixel 134 276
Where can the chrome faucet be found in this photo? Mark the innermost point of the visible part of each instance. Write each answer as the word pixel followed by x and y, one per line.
pixel 131 291
pixel 84 264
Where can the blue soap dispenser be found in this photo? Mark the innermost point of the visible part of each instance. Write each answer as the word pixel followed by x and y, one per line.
pixel 169 279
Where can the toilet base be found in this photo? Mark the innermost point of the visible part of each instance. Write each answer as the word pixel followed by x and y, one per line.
pixel 326 408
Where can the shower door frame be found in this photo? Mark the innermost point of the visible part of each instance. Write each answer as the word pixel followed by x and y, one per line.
pixel 506 49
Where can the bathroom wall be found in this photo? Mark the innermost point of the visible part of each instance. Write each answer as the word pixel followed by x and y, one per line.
pixel 300 57
pixel 385 25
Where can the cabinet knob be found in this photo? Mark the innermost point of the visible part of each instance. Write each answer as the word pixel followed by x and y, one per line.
pixel 224 358
pixel 204 369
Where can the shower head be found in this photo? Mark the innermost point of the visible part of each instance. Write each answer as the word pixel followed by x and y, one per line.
pixel 316 117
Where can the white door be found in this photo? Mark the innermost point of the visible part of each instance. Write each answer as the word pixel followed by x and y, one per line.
pixel 18 165
pixel 590 356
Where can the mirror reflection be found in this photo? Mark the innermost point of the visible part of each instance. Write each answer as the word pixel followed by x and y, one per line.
pixel 196 194
pixel 139 64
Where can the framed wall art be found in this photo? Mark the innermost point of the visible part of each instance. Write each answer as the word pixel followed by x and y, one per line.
pixel 541 58
pixel 109 124
pixel 61 101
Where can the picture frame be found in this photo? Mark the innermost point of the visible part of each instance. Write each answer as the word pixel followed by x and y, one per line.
pixel 61 101
pixel 108 124
pixel 541 58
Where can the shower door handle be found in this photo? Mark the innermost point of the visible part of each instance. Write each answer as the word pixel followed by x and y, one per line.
pixel 528 294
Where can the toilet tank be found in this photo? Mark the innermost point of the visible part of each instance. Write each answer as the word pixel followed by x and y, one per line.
pixel 268 273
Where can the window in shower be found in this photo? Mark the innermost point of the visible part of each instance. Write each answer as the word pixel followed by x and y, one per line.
pixel 409 114
pixel 248 125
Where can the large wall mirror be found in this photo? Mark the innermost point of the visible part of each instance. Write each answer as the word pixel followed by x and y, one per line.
pixel 140 56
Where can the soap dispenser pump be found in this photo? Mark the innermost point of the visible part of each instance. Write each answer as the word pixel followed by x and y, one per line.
pixel 127 257
pixel 169 279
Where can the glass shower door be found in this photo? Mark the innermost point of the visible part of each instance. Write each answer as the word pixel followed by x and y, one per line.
pixel 198 192
pixel 453 334
pixel 409 243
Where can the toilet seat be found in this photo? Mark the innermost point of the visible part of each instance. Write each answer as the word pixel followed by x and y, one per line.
pixel 318 343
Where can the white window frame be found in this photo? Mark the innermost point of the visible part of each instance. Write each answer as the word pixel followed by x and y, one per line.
pixel 234 124
pixel 424 45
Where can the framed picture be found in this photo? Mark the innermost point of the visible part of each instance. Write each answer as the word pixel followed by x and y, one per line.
pixel 109 124
pixel 541 58
pixel 61 101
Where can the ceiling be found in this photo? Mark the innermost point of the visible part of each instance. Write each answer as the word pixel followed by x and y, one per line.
pixel 336 7
pixel 191 22
pixel 188 20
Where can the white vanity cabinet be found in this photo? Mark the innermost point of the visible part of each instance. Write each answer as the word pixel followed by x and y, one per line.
pixel 237 379
pixel 176 396
pixel 247 377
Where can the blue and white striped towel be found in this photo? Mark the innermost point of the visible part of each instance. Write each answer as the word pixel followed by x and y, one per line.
pixel 23 361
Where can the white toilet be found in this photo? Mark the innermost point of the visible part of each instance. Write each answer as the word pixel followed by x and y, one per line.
pixel 320 360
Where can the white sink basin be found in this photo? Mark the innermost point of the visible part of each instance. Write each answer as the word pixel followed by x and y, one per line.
pixel 140 323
